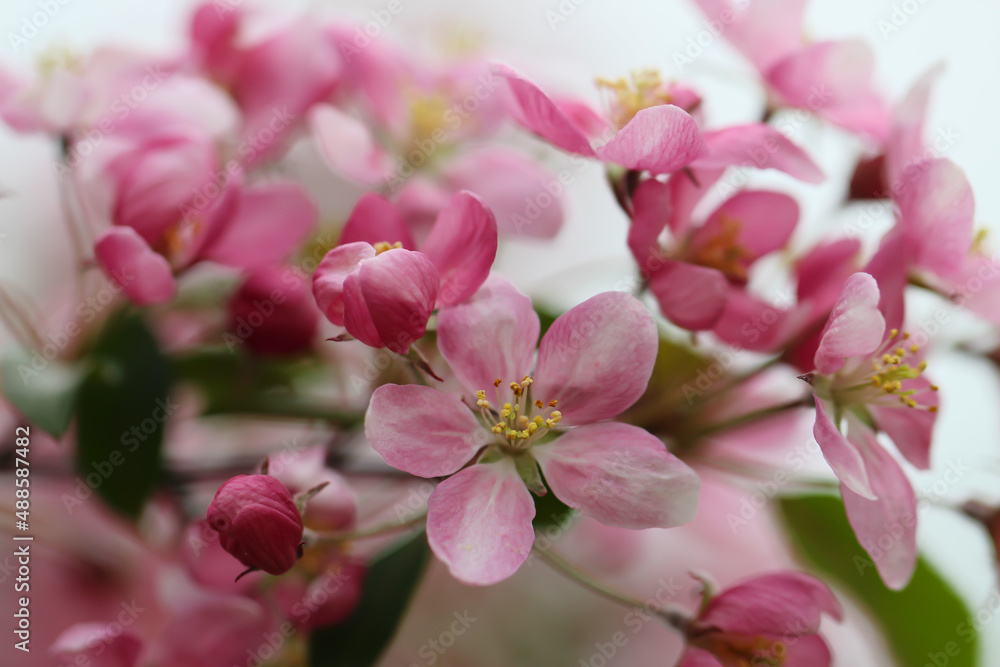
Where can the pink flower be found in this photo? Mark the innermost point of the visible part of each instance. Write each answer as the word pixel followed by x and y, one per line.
pixel 832 79
pixel 335 507
pixel 771 619
pixel 258 522
pixel 868 380
pixel 215 630
pixel 326 599
pixel 593 363
pixel 97 645
pixel 695 276
pixel 273 313
pixel 648 132
pixel 382 290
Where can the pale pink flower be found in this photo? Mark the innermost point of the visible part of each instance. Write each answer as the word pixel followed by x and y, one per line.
pixel 768 619
pixel 593 363
pixel 832 79
pixel 382 290
pixel 867 378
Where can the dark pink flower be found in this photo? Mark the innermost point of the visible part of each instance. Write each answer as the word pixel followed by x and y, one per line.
pixel 273 312
pixel 771 619
pixel 593 363
pixel 258 522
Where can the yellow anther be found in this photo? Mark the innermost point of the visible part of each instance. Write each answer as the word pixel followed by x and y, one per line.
pixel 888 387
pixel 556 416
pixel 516 388
pixel 524 434
pixel 934 387
pixel 498 429
pixel 526 380
pixel 383 246
pixel 914 348
pixel 886 359
pixel 910 403
pixel 505 413
pixel 553 403
pixel 532 427
pixel 538 420
pixel 906 335
pixel 511 434
pixel 922 366
pixel 876 381
pixel 900 352
pixel 893 332
pixel 539 404
pixel 897 385
pixel 522 420
pixel 896 360
pixel 932 408
pixel 497 382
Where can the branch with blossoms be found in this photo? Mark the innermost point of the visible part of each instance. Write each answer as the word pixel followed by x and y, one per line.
pixel 302 232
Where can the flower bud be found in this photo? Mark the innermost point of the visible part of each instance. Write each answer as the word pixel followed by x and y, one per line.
pixel 273 312
pixel 258 522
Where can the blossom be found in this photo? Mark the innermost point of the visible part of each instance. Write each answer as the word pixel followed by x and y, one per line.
pixel 593 363
pixel 771 619
pixel 273 312
pixel 694 277
pixel 258 522
pixel 832 79
pixel 97 644
pixel 382 290
pixel 868 379
pixel 648 132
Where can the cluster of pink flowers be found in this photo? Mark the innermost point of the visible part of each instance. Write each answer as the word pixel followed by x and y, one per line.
pixel 333 212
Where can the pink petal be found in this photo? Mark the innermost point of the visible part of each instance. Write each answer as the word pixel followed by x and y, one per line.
pixel 766 219
pixel 936 209
pixel 842 454
pixel 439 446
pixel 389 299
pixel 691 296
pixel 811 651
pixel 620 475
pixel 910 429
pixel 659 139
pixel 144 275
pixel 760 146
pixel 886 527
pixel 539 114
pixel 526 198
pixel 375 219
pixel 905 146
pixel 754 324
pixel 855 327
pixel 686 192
pixel 651 206
pixel 492 335
pixel 462 244
pixel 696 657
pixel 348 145
pixel 763 30
pixel 890 268
pixel 822 272
pixel 479 523
pixel 328 280
pixel 773 604
pixel 269 223
pixel 597 358
pixel 834 80
pixel 97 645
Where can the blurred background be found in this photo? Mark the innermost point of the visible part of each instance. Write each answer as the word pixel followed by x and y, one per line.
pixel 564 44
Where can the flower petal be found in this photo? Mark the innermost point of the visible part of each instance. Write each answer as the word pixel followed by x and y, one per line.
pixel 539 114
pixel 757 145
pixel 479 523
pixel 906 137
pixel 492 335
pixel 772 604
pixel 375 219
pixel 270 222
pixel 421 430
pixel 855 327
pixel 909 428
pixel 462 244
pixel 620 475
pixel 691 296
pixel 651 206
pixel 659 139
pixel 597 358
pixel 766 221
pixel 348 145
pixel 886 527
pixel 144 275
pixel 842 454
pixel 328 280
pixel 389 299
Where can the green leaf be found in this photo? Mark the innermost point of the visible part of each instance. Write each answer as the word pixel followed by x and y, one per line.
pixel 43 390
pixel 550 512
pixel 122 412
pixel 924 618
pixel 391 581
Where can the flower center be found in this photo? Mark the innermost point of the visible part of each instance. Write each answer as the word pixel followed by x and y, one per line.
pixel 643 89
pixel 724 252
pixel 881 382
pixel 384 246
pixel 519 422
pixel 743 651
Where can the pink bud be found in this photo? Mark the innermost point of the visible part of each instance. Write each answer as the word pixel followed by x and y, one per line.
pixel 258 522
pixel 273 313
pixel 98 645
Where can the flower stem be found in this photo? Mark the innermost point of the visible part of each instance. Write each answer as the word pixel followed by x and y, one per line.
pixel 674 619
pixel 373 531
pixel 751 417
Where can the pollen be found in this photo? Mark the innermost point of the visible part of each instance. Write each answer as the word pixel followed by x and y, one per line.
pixel 628 96
pixel 384 246
pixel 519 421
